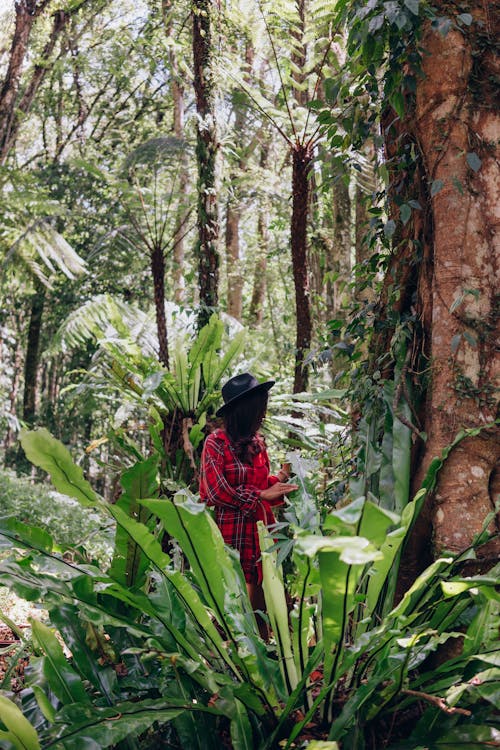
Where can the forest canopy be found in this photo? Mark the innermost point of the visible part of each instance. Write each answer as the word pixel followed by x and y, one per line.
pixel 307 191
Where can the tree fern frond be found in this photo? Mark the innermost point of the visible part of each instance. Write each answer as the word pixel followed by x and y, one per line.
pixel 40 241
pixel 157 151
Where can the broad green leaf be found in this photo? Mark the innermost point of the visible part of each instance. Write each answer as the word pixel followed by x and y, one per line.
pixel 43 450
pixel 202 543
pixel 274 593
pixel 375 521
pixel 380 569
pixel 241 728
pixel 436 186
pixel 62 678
pixel 348 516
pixel 412 5
pixel 421 584
pixel 43 701
pixel 389 228
pixel 152 549
pixel 129 565
pixel 218 574
pixel 108 726
pixel 193 729
pixel 338 583
pixel 67 619
pixel 28 536
pixel 405 213
pixel 15 728
pixel 397 100
pixel 470 736
pixel 353 550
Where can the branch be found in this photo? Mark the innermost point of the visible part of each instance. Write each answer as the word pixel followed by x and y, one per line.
pixel 439 702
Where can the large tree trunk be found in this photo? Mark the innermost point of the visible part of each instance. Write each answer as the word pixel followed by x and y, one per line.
pixel 206 154
pixel 302 159
pixel 451 283
pixel 455 123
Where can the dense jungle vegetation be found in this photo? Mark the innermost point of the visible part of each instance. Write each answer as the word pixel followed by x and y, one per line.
pixel 306 190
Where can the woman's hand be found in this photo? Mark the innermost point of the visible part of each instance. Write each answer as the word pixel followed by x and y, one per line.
pixel 284 472
pixel 277 491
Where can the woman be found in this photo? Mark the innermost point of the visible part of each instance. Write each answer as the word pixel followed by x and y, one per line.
pixel 235 478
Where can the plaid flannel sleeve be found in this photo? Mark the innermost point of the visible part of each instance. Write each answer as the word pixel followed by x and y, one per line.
pixel 214 485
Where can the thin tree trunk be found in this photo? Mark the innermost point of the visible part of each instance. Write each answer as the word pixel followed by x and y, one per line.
pixel 302 159
pixel 33 354
pixel 339 262
pixel 182 211
pixel 178 128
pixel 14 388
pixel 25 18
pixel 256 311
pixel 26 13
pixel 234 276
pixel 206 154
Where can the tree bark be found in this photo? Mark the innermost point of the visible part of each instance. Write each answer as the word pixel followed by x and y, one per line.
pixel 302 159
pixel 206 154
pixel 455 124
pixel 446 270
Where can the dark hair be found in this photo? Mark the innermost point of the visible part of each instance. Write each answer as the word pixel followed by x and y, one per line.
pixel 242 421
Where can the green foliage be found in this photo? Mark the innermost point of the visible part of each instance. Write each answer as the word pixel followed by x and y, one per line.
pixel 62 517
pixel 182 646
pixel 15 728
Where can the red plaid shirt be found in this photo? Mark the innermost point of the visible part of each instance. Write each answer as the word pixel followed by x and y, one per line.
pixel 233 488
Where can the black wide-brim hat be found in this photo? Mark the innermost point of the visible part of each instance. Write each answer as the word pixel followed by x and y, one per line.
pixel 240 386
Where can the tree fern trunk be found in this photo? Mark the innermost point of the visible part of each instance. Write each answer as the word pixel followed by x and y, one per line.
pixel 158 273
pixel 302 159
